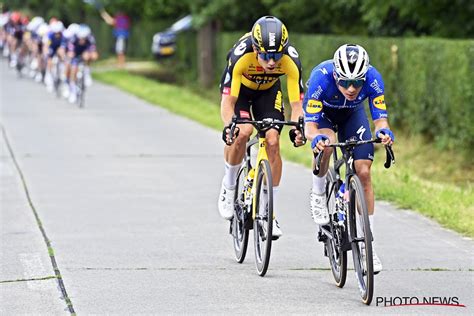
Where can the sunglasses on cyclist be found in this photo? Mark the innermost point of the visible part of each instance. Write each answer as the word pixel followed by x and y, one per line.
pixel 268 56
pixel 347 83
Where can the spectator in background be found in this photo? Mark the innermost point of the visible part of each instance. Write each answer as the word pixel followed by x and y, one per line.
pixel 121 24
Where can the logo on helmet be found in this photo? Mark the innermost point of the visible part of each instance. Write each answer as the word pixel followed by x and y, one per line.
pixel 353 56
pixel 257 35
pixel 271 38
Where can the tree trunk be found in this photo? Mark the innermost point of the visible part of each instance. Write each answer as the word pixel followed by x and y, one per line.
pixel 206 53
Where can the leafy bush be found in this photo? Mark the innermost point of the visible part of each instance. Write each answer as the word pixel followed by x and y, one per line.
pixel 428 81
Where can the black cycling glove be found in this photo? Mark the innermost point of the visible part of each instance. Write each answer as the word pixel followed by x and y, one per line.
pixel 292 134
pixel 226 130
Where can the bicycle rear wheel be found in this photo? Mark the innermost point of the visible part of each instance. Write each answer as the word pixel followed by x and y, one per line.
pixel 361 239
pixel 337 256
pixel 57 79
pixel 81 88
pixel 263 220
pixel 240 233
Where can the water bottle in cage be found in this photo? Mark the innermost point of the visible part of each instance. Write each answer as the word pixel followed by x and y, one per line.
pixel 248 187
pixel 341 209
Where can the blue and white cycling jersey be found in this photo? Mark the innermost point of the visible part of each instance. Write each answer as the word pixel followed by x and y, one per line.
pixel 323 93
pixel 55 40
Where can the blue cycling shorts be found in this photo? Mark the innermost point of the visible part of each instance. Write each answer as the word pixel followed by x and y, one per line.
pixel 350 123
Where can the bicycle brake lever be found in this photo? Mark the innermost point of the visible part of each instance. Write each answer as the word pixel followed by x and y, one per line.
pixel 317 163
pixel 390 157
pixel 301 128
pixel 232 127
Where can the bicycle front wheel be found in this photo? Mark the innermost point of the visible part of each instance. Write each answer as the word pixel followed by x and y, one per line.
pixel 361 239
pixel 262 225
pixel 240 233
pixel 81 89
pixel 337 256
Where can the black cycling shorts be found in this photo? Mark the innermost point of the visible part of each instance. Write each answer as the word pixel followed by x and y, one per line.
pixel 260 104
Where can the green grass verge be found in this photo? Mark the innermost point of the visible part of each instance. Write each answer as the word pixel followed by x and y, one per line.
pixel 438 185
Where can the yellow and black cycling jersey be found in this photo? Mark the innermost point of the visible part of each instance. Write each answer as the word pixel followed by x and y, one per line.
pixel 243 68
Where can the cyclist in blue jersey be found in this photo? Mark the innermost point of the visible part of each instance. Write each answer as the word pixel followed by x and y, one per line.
pixel 55 38
pixel 334 102
pixel 81 49
pixel 34 43
pixel 68 36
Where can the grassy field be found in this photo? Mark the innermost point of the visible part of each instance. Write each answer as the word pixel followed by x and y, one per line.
pixel 435 183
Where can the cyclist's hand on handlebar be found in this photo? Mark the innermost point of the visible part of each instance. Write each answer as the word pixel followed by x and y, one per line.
pixel 226 137
pixel 296 137
pixel 386 135
pixel 319 143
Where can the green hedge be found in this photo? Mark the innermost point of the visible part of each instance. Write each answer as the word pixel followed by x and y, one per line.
pixel 428 81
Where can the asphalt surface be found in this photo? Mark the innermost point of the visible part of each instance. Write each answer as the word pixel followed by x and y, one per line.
pixel 125 195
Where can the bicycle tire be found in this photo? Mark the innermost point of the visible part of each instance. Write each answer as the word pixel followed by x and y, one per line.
pixel 19 67
pixel 57 80
pixel 240 234
pixel 263 221
pixel 80 91
pixel 337 256
pixel 358 212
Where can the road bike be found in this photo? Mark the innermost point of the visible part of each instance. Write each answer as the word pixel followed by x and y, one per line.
pixel 253 200
pixel 80 85
pixel 57 70
pixel 348 227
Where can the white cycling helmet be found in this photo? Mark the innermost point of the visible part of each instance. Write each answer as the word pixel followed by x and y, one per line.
pixel 73 27
pixel 71 30
pixel 57 27
pixel 84 31
pixel 43 29
pixel 35 23
pixel 4 19
pixel 351 62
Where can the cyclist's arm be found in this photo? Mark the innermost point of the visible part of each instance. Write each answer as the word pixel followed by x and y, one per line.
pixel 311 130
pixel 295 94
pixel 227 108
pixel 313 104
pixel 296 110
pixel 106 17
pixel 229 98
pixel 378 108
pixel 381 123
pixel 294 83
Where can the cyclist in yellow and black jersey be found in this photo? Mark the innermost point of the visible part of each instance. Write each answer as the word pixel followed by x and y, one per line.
pixel 251 84
pixel 244 68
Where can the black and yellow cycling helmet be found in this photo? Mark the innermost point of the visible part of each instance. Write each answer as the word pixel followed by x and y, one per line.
pixel 269 35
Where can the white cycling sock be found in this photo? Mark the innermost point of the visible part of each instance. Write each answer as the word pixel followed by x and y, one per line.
pixel 230 175
pixel 318 184
pixel 371 221
pixel 359 225
pixel 275 201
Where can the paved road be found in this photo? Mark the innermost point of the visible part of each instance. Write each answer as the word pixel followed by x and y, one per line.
pixel 125 195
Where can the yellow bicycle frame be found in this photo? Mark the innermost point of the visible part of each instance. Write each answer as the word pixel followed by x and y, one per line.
pixel 253 173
